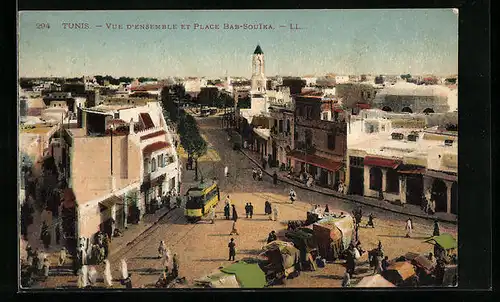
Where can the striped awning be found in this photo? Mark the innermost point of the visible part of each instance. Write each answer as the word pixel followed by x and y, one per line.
pixel 381 162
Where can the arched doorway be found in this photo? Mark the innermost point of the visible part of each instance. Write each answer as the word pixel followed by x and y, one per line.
pixel 407 110
pixel 454 198
pixel 428 110
pixel 375 179
pixel 387 108
pixel 439 194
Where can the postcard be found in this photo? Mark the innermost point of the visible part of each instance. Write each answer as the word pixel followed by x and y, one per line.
pixel 238 149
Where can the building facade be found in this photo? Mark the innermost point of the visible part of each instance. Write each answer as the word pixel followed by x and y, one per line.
pixel 119 161
pixel 402 165
pixel 320 139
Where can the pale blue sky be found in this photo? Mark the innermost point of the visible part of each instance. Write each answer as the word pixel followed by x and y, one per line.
pixel 339 41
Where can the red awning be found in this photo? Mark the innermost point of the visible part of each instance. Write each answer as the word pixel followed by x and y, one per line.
pixel 381 162
pixel 315 160
pixel 154 134
pixel 409 169
pixel 155 147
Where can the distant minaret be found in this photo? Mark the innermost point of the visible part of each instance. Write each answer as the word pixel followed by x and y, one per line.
pixel 259 80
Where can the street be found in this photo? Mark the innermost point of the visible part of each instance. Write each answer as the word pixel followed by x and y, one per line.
pixel 201 248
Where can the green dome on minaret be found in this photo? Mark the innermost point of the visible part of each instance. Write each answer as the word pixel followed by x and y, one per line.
pixel 258 51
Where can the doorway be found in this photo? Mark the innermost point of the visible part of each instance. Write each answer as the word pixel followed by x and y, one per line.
pixel 356 181
pixel 454 198
pixel 414 189
pixel 439 195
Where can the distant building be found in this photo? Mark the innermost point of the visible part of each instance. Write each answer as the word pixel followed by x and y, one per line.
pixel 401 165
pixel 407 97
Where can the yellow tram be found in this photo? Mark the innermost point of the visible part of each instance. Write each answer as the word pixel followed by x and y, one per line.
pixel 199 201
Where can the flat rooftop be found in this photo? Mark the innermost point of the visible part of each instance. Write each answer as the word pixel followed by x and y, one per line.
pixel 37 130
pixel 108 108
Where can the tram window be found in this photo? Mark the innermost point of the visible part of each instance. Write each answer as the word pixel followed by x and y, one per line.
pixel 210 195
pixel 194 202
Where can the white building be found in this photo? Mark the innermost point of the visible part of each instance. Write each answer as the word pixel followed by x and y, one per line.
pixel 401 166
pixel 139 159
pixel 340 79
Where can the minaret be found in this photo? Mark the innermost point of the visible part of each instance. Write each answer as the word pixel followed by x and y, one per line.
pixel 259 80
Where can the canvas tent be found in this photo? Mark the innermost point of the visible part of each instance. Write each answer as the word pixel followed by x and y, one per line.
pixel 399 272
pixel 238 275
pixel 333 235
pixel 446 241
pixel 374 281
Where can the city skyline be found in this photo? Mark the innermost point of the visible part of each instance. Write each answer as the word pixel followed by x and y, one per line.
pixel 423 41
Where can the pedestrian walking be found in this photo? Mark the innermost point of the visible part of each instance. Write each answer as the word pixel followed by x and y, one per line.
pixel 178 200
pixel 275 178
pixel 351 260
pixel 385 263
pixel 124 269
pixel 234 229
pixel 232 250
pixel 408 227
pixel 254 174
pixel 272 237
pixel 293 195
pixel 41 258
pixel 267 208
pixel 250 208
pixel 378 264
pixel 161 249
pixel 83 277
pixel 226 211
pixel 29 255
pixel 260 174
pixel 212 215
pixel 235 214
pixel 127 282
pixel 46 267
pixel 226 171
pixel 175 266
pixel 45 235
pixel 92 276
pixel 432 207
pixel 247 210
pixel 275 213
pixel 327 210
pixel 62 256
pixel 346 281
pixel 108 278
pixel 436 232
pixel 228 200
pixel 370 221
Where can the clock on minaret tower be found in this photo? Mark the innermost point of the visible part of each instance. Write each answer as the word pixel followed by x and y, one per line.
pixel 259 80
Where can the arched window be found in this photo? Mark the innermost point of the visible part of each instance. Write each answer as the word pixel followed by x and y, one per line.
pixel 153 165
pixel 407 110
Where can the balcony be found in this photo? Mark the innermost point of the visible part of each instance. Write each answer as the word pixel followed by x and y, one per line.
pixel 169 169
pixel 309 149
